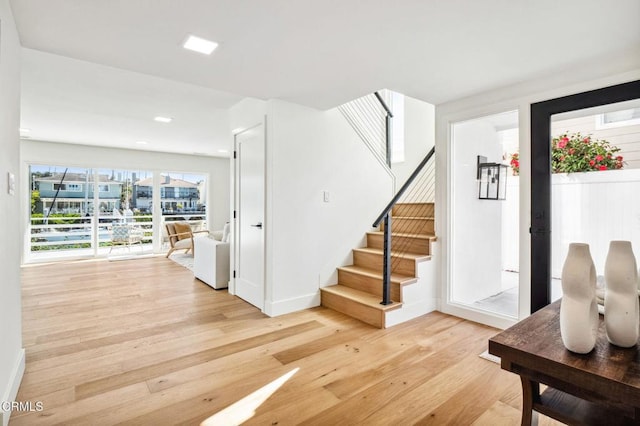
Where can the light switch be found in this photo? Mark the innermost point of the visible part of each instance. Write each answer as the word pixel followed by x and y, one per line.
pixel 325 196
pixel 11 188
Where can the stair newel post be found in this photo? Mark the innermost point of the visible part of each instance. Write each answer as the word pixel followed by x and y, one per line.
pixel 387 126
pixel 386 268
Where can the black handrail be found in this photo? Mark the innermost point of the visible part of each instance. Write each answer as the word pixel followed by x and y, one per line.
pixel 383 103
pixel 406 185
pixel 386 216
pixel 55 197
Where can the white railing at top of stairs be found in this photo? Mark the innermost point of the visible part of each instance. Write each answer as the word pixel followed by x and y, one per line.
pixel 369 118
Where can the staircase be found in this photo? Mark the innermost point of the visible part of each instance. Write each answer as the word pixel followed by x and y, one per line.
pixel 358 292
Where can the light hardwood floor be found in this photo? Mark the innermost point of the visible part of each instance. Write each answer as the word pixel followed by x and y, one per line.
pixel 142 342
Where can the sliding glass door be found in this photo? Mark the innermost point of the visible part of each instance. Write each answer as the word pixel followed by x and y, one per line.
pixel 85 212
pixel 61 212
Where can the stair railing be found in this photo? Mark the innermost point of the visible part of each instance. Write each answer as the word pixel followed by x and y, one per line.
pixel 370 118
pixel 422 176
pixel 387 127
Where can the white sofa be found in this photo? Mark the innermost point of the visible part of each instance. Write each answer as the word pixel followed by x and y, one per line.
pixel 211 262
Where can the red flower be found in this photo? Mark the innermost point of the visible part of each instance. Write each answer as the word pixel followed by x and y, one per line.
pixel 562 143
pixel 591 162
pixel 598 158
pixel 572 151
pixel 619 158
pixel 562 158
pixel 602 167
pixel 586 140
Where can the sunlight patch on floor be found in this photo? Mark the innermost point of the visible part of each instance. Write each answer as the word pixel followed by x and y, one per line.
pixel 242 410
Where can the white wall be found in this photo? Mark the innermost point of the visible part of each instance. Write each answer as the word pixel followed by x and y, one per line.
pixel 511 226
pixel 40 152
pixel 310 151
pixel 11 352
pixel 245 114
pixel 419 137
pixel 509 98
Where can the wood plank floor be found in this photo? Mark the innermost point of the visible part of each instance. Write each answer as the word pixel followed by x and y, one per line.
pixel 141 342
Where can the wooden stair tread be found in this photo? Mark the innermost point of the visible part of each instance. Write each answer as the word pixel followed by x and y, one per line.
pixel 395 278
pixel 413 256
pixel 367 299
pixel 416 203
pixel 413 217
pixel 431 237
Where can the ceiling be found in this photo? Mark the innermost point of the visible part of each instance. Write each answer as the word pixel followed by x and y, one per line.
pixel 111 66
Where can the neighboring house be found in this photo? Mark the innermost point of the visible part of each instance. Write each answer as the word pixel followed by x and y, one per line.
pixel 176 195
pixel 74 193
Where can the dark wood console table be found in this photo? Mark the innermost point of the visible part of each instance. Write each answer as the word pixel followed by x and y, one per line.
pixel 599 388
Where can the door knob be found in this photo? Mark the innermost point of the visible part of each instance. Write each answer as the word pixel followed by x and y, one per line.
pixel 258 225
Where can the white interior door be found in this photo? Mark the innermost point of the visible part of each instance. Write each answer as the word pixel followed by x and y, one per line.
pixel 250 216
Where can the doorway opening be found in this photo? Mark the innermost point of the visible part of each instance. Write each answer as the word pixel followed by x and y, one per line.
pixel 543 217
pixel 485 229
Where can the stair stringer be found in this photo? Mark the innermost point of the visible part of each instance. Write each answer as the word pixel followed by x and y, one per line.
pixel 421 297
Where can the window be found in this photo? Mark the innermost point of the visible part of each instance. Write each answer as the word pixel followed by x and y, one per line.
pixel 621 118
pixel 73 209
pixel 71 187
pixel 482 279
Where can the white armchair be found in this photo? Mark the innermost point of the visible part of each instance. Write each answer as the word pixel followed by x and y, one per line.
pixel 211 262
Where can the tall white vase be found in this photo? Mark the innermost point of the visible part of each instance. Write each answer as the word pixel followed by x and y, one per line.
pixel 622 311
pixel 578 309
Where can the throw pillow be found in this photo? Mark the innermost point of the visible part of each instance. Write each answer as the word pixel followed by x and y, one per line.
pixel 183 229
pixel 225 233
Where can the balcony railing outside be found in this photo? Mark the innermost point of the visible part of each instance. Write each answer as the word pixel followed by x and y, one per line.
pixel 69 236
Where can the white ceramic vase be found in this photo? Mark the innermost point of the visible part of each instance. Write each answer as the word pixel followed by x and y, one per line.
pixel 622 311
pixel 578 309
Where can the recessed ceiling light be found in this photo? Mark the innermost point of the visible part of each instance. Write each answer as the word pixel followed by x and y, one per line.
pixel 237 130
pixel 142 142
pixel 163 119
pixel 223 151
pixel 23 130
pixel 199 45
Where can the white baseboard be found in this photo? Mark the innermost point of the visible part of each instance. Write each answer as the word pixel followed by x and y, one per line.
pixel 409 312
pixel 281 307
pixel 12 388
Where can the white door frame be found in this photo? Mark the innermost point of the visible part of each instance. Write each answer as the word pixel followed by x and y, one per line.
pixel 444 207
